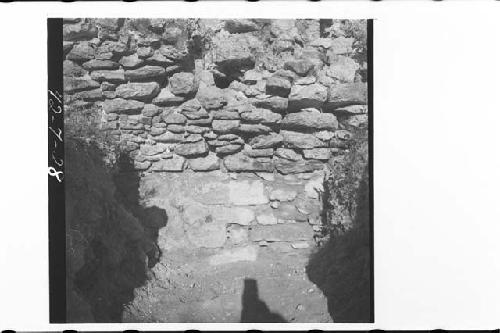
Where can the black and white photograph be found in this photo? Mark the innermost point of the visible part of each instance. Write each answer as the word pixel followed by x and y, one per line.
pixel 217 170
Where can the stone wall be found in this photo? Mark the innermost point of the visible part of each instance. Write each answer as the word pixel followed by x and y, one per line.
pixel 231 123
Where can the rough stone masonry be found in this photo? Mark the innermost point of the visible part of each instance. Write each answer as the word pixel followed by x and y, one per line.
pixel 230 122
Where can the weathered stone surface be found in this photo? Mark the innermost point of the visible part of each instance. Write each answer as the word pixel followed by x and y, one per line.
pixel 240 26
pixel 358 120
pixel 268 152
pixel 317 153
pixel 242 163
pixel 351 110
pixel 169 137
pixel 138 91
pixel 278 86
pixel 263 116
pixel 324 135
pixel 314 188
pixel 225 115
pixel 79 31
pixel 238 235
pixel 89 95
pixel 173 117
pixel 141 166
pixel 282 233
pixel 341 45
pixel 341 95
pixel 150 150
pixel 145 73
pixel 81 52
pixel 301 140
pixel 309 120
pixel 235 52
pixel 176 163
pixel 208 163
pixel 166 98
pixel 283 194
pixel 182 84
pixel 210 97
pixel 342 68
pixel 253 129
pixel 266 141
pixel 67 47
pixel 113 76
pixel 192 149
pixel 325 43
pixel 96 64
pixel 267 219
pixel 310 96
pixel 120 105
pixel 75 84
pixel 228 149
pixel 150 110
pixel 131 61
pixel 290 167
pixel 247 193
pixel 288 154
pixel 207 235
pixel 145 52
pixel 252 76
pixel 274 103
pixel 233 255
pixel 225 126
pixel 232 215
pixel 300 66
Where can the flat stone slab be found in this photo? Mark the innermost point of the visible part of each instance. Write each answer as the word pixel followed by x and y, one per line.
pixel 247 193
pixel 281 232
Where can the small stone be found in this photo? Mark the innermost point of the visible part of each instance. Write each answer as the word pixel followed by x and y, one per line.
pixel 225 115
pixel 274 103
pixel 341 45
pixel 173 117
pixel 252 76
pixel 75 84
pixel 175 164
pixel 240 26
pixel 144 52
pixel 131 61
pixel 287 167
pixel 263 243
pixel 266 176
pixel 345 94
pixel 278 86
pixel 268 152
pixel 174 128
pixel 300 245
pixel 253 129
pixel 210 97
pixel 81 52
pixel 275 204
pixel 324 135
pixel 166 98
pixel 182 84
pixel 141 166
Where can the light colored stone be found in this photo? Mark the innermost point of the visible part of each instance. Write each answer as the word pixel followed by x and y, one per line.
pixel 191 149
pixel 139 91
pixel 232 215
pixel 245 192
pixel 208 163
pixel 288 154
pixel 281 232
pixel 228 256
pixel 314 187
pixel 122 106
pixel 317 153
pixel 282 194
pixel 308 120
pixel 242 163
pixel 267 219
pixel 300 245
pixel 294 139
pixel 238 235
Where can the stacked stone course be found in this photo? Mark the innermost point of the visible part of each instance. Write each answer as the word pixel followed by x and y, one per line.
pixel 267 101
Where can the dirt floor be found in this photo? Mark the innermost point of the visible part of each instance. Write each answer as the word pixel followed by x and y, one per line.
pixel 274 288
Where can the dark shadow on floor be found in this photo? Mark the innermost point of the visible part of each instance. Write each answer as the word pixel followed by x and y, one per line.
pixel 255 310
pixel 111 237
pixel 341 267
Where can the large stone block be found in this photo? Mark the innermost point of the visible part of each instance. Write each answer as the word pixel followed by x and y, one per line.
pixel 120 105
pixel 176 163
pixel 192 149
pixel 182 84
pixel 208 163
pixel 293 139
pixel 245 192
pixel 145 73
pixel 266 141
pixel 345 94
pixel 310 96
